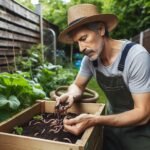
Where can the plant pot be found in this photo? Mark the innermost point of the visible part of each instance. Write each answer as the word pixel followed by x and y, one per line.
pixel 90 140
pixel 89 96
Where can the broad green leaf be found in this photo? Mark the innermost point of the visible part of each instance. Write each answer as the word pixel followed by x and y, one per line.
pixel 2 86
pixel 38 93
pixel 14 103
pixel 3 101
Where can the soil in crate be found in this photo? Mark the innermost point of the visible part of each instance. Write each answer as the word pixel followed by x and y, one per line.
pixel 48 126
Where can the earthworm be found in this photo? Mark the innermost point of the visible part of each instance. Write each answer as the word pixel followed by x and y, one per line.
pixel 43 131
pixel 54 122
pixel 31 122
pixel 35 134
pixel 68 140
pixel 47 121
pixel 58 126
pixel 37 123
pixel 52 130
pixel 55 139
pixel 49 115
pixel 58 129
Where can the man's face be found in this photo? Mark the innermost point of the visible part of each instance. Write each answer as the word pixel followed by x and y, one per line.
pixel 90 42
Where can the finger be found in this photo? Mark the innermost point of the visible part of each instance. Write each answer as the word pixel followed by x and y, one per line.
pixel 63 98
pixel 70 102
pixel 57 101
pixel 72 129
pixel 70 121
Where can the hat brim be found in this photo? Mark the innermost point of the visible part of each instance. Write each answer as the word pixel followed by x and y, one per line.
pixel 109 19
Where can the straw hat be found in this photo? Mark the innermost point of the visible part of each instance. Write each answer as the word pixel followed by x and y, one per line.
pixel 82 14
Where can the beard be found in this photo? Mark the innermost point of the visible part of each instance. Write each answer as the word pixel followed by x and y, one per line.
pixel 93 54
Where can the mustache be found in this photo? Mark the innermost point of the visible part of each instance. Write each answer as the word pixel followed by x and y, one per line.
pixel 87 51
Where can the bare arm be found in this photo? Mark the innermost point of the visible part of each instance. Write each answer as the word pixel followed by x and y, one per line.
pixel 74 92
pixel 139 115
pixel 77 88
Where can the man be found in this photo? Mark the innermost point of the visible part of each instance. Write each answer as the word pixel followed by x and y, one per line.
pixel 122 70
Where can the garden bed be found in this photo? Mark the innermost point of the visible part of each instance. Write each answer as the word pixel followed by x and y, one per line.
pixel 91 139
pixel 47 126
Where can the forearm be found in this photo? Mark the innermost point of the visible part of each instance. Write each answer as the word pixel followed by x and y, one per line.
pixel 129 118
pixel 75 91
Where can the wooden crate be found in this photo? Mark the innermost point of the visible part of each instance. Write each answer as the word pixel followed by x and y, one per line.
pixel 91 139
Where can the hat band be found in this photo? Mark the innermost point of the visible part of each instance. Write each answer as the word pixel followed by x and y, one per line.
pixel 76 21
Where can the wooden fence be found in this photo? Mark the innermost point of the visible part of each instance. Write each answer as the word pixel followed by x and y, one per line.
pixel 143 38
pixel 19 30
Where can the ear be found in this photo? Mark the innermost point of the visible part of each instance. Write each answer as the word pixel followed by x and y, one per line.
pixel 102 30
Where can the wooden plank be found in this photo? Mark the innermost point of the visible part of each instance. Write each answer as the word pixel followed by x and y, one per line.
pixel 20 118
pixel 78 107
pixel 6 60
pixel 9 68
pixel 18 21
pixel 14 44
pixel 20 10
pixel 10 51
pixel 18 37
pixel 17 29
pixel 16 142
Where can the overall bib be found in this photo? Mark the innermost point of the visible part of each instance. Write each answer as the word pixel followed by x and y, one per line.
pixel 120 100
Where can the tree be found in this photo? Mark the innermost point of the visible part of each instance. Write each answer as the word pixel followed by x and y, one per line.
pixel 133 15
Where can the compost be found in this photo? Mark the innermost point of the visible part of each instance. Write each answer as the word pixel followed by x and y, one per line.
pixel 49 126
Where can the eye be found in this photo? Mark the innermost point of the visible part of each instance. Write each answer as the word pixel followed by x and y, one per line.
pixel 83 38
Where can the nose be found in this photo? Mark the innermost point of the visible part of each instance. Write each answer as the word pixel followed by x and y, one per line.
pixel 82 46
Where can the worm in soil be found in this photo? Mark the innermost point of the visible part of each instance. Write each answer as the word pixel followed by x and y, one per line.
pixel 52 130
pixel 43 131
pixel 68 140
pixel 47 121
pixel 35 134
pixel 55 139
pixel 31 122
pixel 37 123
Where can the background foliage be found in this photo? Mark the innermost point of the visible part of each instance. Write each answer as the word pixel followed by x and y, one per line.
pixel 133 15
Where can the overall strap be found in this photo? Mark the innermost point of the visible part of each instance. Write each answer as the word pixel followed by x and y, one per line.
pixel 124 55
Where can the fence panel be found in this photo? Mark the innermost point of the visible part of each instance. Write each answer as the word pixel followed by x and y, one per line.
pixel 143 38
pixel 19 30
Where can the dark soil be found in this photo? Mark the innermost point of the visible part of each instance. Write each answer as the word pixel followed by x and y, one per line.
pixel 49 126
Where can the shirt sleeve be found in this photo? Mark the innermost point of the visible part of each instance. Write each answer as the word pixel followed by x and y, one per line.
pixel 85 69
pixel 139 73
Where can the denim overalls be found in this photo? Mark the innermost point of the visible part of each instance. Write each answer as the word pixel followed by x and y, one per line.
pixel 120 100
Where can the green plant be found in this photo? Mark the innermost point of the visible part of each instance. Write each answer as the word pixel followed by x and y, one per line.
pixel 53 76
pixel 38 117
pixel 11 102
pixel 17 88
pixel 18 130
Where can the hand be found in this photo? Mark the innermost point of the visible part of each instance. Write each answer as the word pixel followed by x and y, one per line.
pixel 79 124
pixel 66 100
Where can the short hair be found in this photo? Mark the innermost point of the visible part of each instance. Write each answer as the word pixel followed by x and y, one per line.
pixel 95 26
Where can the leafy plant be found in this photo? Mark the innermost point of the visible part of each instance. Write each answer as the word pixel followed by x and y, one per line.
pixel 53 77
pixel 18 130
pixel 11 103
pixel 38 117
pixel 24 90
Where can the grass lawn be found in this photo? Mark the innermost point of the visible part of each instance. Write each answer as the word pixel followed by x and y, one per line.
pixel 94 86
